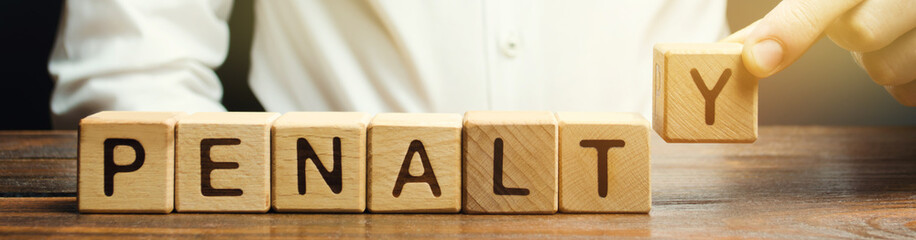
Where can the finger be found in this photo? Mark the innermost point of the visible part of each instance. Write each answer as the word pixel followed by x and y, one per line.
pixel 892 65
pixel 740 35
pixel 873 24
pixel 905 94
pixel 787 31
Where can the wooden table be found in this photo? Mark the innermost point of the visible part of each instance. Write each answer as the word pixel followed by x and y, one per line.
pixel 847 182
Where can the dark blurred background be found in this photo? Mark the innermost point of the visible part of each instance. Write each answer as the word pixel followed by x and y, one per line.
pixel 824 87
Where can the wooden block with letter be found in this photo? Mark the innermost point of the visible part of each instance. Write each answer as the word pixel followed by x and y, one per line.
pixel 703 94
pixel 510 162
pixel 126 162
pixel 319 162
pixel 604 163
pixel 223 162
pixel 415 163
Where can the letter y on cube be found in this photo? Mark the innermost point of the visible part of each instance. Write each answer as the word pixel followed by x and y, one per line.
pixel 703 94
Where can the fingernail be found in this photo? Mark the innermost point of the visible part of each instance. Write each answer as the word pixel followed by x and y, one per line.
pixel 768 55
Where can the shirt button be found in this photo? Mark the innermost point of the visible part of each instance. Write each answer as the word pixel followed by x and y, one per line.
pixel 510 44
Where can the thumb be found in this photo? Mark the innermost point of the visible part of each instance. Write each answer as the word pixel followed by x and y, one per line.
pixel 786 32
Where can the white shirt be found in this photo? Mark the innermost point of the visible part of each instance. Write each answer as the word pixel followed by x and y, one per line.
pixel 373 56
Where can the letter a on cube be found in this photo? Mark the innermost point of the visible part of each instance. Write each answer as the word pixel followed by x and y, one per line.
pixel 223 162
pixel 703 94
pixel 126 162
pixel 415 163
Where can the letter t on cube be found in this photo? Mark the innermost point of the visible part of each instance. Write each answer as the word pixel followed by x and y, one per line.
pixel 604 162
pixel 703 94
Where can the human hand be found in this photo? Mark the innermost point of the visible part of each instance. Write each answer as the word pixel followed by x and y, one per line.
pixel 879 33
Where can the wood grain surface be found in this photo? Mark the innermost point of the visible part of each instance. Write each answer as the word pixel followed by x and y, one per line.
pixel 794 182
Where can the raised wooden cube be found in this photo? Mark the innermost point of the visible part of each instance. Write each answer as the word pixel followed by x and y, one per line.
pixel 604 163
pixel 510 162
pixel 126 162
pixel 703 94
pixel 223 162
pixel 319 162
pixel 415 163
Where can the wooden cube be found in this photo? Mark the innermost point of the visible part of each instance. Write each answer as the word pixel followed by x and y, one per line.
pixel 223 162
pixel 703 94
pixel 319 162
pixel 510 162
pixel 415 163
pixel 604 163
pixel 126 162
